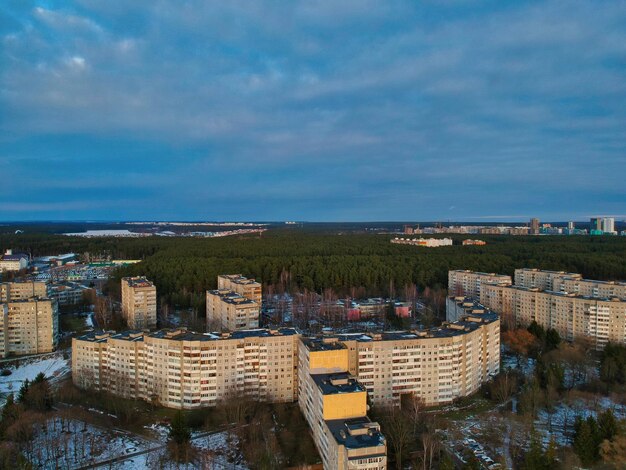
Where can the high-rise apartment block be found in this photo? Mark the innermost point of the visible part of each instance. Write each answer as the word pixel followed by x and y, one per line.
pixel 139 304
pixel 180 369
pixel 227 310
pixel 595 320
pixel 28 326
pixel 11 291
pixel 541 279
pixel 334 404
pixel 467 283
pixel 437 365
pixel 248 288
pixel 331 377
pixel 602 225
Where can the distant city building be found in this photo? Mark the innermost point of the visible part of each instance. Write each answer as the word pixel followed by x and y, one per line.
pixel 467 283
pixel 469 241
pixel 227 310
pixel 13 261
pixel 427 242
pixel 28 326
pixel 608 225
pixel 139 304
pixel 534 226
pixel 602 226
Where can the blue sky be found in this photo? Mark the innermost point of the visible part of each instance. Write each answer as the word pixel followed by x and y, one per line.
pixel 312 110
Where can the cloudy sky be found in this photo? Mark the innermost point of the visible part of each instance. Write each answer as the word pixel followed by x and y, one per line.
pixel 312 110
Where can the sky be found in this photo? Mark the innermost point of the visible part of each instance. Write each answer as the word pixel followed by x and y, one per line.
pixel 320 110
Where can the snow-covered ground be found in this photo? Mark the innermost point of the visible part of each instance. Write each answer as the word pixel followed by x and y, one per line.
pixel 72 443
pixel 52 365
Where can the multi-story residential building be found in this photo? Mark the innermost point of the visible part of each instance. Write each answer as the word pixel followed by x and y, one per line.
pixel 471 242
pixel 595 320
pixel 67 293
pixel 534 226
pixel 11 291
pixel 467 283
pixel 227 310
pixel 180 369
pixel 591 288
pixel 248 288
pixel 28 326
pixel 139 304
pixel 13 261
pixel 334 404
pixel 542 279
pixel 427 242
pixel 436 366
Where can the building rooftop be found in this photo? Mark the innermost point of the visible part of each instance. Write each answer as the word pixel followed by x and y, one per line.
pixel 322 344
pixel 138 281
pixel 356 433
pixel 231 297
pixel 184 335
pixel 239 279
pixel 566 294
pixel 340 382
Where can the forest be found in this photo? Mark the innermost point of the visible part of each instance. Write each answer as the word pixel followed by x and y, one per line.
pixel 298 259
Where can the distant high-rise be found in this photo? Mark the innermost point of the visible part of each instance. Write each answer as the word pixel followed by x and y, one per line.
pixel 570 226
pixel 534 226
pixel 608 224
pixel 595 225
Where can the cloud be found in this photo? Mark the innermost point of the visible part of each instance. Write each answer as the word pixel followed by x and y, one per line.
pixel 489 107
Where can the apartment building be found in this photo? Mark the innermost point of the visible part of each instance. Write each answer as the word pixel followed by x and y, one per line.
pixel 467 283
pixel 11 291
pixel 427 242
pixel 180 369
pixel 139 305
pixel 227 310
pixel 595 320
pixel 28 326
pixel 334 404
pixel 13 261
pixel 437 365
pixel 542 279
pixel 248 288
pixel 591 288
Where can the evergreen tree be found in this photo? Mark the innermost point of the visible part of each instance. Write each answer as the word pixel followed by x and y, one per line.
pixel 607 425
pixel 586 440
pixel 179 430
pixel 553 339
pixel 23 392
